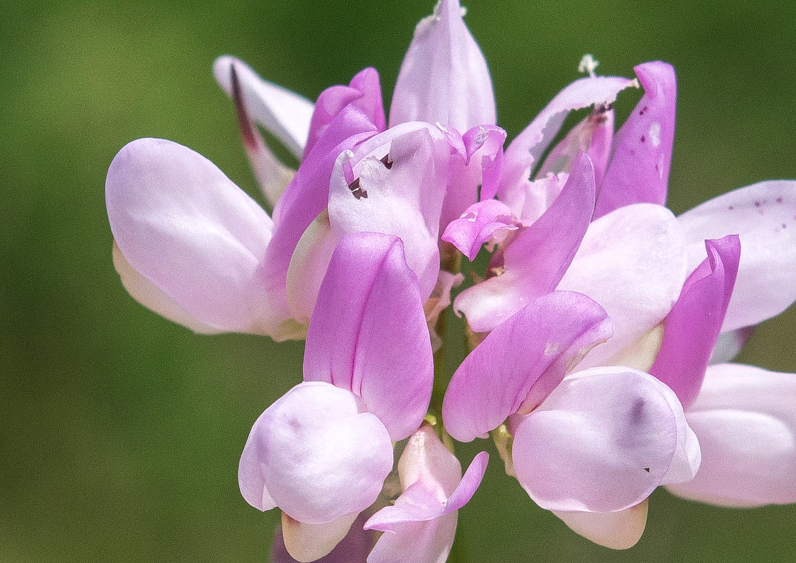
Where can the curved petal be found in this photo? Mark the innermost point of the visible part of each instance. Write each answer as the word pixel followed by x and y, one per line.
pixel 692 326
pixel 639 169
pixel 729 344
pixel 283 113
pixel 764 217
pixel 525 150
pixel 520 362
pixel 602 441
pixel 615 530
pixel 317 455
pixel 632 262
pixel 444 77
pixel 185 227
pixel 312 542
pixel 537 258
pixel 353 548
pixel 152 297
pixel 402 197
pixel 746 423
pixel 416 542
pixel 368 333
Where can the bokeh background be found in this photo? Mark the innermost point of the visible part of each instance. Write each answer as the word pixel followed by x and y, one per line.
pixel 120 432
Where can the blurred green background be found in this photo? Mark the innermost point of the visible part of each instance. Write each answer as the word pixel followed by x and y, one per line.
pixel 120 432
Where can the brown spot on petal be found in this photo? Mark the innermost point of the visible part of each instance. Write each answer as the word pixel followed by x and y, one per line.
pixel 386 161
pixel 357 190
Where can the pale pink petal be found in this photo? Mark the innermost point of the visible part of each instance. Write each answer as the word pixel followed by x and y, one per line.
pixel 152 297
pixel 368 333
pixel 283 113
pixel 317 454
pixel 729 344
pixel 692 326
pixel 537 258
pixel 363 93
pixel 639 168
pixel 271 175
pixel 444 77
pixel 402 197
pixel 602 441
pixel 746 423
pixel 416 542
pixel 185 227
pixel 764 216
pixel 520 362
pixel 525 150
pixel 312 542
pixel 420 527
pixel 616 530
pixel 632 262
pixel 477 225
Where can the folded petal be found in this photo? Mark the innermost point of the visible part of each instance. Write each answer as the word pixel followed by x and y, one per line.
pixel 639 169
pixel 478 225
pixel 185 227
pixel 316 455
pixel 520 362
pixel 729 344
pixel 746 423
pixel 525 150
pixel 632 262
pixel 616 530
pixel 444 77
pixel 283 113
pixel 602 441
pixel 421 525
pixel 764 217
pixel 368 333
pixel 693 325
pixel 271 175
pixel 535 261
pixel 363 93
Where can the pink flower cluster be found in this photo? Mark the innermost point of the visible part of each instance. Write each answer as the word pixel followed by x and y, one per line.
pixel 599 331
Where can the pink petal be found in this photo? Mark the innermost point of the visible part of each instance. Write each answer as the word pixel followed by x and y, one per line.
pixel 444 77
pixel 615 530
pixel 198 238
pixel 368 333
pixel 632 262
pixel 529 145
pixel 639 168
pixel 729 344
pixel 602 441
pixel 477 225
pixel 535 261
pixel 692 326
pixel 764 216
pixel 283 113
pixel 746 423
pixel 363 93
pixel 404 199
pixel 316 454
pixel 416 542
pixel 520 362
